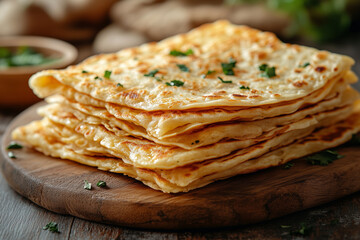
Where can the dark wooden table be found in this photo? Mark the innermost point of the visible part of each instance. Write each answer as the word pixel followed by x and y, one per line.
pixel 21 219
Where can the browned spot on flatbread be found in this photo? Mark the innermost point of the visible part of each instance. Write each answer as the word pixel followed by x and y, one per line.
pixel 300 83
pixel 320 69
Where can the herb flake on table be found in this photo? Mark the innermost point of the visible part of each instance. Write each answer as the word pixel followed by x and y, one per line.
pixel 107 74
pixel 101 184
pixel 87 185
pixel 224 81
pixel 267 71
pixel 177 53
pixel 323 158
pixel 183 67
pixel 228 67
pixel 14 145
pixel 176 83
pixel 52 227
pixel 151 73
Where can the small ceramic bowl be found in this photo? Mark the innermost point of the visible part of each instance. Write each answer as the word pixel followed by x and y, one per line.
pixel 14 88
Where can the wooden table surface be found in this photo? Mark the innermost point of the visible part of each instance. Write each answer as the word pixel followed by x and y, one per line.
pixel 22 219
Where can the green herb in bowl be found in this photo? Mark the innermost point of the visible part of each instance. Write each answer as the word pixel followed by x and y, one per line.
pixel 22 56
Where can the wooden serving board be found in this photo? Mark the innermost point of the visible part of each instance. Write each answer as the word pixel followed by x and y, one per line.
pixel 57 185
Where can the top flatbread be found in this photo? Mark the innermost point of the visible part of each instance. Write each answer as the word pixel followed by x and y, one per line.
pixel 212 45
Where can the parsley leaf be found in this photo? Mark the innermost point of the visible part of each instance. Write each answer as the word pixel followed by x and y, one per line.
pixel 14 145
pixel 98 78
pixel 101 184
pixel 245 88
pixel 228 67
pixel 151 73
pixel 177 53
pixel 87 185
pixel 176 83
pixel 119 85
pixel 84 71
pixel 305 65
pixel 52 227
pixel 183 67
pixel 107 74
pixel 223 81
pixel 267 71
pixel 323 158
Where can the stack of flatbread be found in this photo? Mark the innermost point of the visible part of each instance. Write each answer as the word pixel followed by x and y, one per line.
pixel 179 114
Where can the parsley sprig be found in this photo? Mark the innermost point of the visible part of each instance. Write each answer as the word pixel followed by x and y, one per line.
pixel 267 71
pixel 151 73
pixel 176 83
pixel 228 67
pixel 183 67
pixel 177 53
pixel 224 81
pixel 324 158
pixel 107 74
pixel 52 227
pixel 14 145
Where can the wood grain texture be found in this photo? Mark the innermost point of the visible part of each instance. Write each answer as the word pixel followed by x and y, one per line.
pixel 57 185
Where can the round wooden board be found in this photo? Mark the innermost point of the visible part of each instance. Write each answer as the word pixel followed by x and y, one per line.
pixel 57 185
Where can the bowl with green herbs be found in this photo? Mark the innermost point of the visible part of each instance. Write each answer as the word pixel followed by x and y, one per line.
pixel 22 56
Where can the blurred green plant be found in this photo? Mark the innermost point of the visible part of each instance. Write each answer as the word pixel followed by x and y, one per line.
pixel 319 20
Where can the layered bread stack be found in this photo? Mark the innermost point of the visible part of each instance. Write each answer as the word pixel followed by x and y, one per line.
pixel 177 115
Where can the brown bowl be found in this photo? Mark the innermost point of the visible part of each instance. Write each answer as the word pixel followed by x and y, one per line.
pixel 14 88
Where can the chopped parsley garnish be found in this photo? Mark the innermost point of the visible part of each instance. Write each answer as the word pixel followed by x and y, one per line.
pixel 101 184
pixel 14 145
pixel 98 78
pixel 288 165
pixel 107 74
pixel 87 185
pixel 323 158
pixel 305 65
pixel 245 88
pixel 209 72
pixel 176 83
pixel 267 71
pixel 223 81
pixel 158 79
pixel 84 71
pixel 228 67
pixel 11 155
pixel 183 67
pixel 119 85
pixel 151 73
pixel 177 53
pixel 52 227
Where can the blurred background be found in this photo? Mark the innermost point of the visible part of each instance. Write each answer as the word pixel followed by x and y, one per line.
pixel 109 25
pixel 95 26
